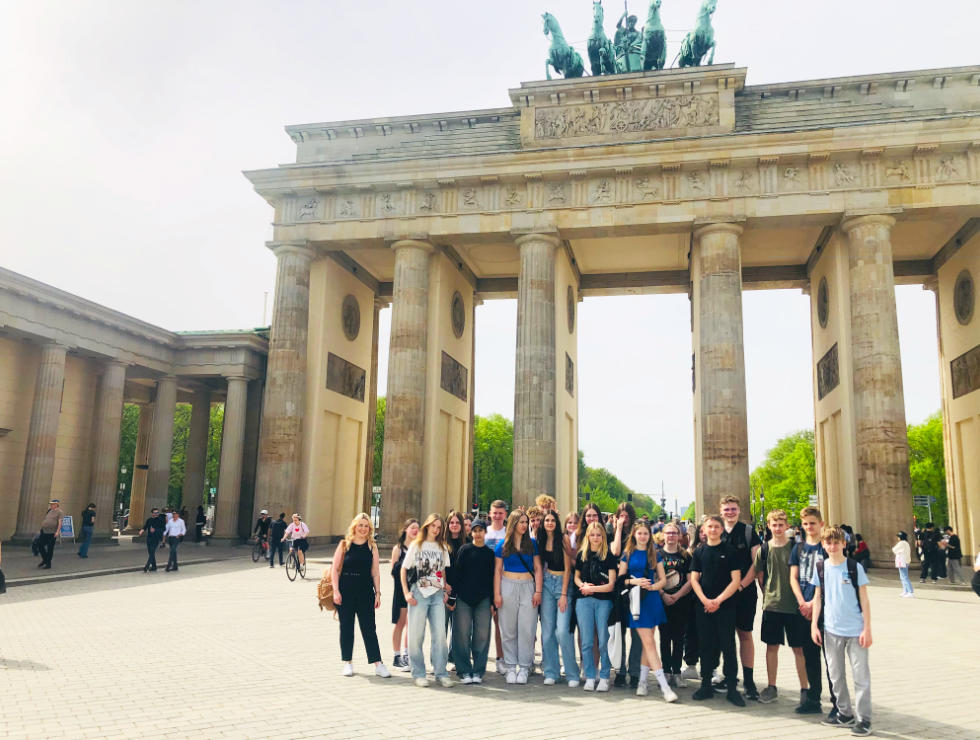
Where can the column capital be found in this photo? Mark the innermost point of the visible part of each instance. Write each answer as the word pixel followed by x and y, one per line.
pixel 720 227
pixel 51 345
pixel 113 362
pixel 381 303
pixel 549 237
pixel 879 219
pixel 230 378
pixel 931 283
pixel 299 247
pixel 417 242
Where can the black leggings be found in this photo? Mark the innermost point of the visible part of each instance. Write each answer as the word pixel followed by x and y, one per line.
pixel 357 599
pixel 672 633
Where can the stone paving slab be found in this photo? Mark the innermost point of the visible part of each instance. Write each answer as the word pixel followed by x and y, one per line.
pixel 233 649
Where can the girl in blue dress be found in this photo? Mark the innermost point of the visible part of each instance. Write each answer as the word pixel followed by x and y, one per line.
pixel 642 566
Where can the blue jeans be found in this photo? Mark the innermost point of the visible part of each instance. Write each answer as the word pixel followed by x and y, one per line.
pixel 86 541
pixel 555 632
pixel 593 619
pixel 429 609
pixel 471 637
pixel 903 573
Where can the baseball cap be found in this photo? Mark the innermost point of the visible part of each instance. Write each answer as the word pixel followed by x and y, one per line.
pixel 264 511
pixel 54 501
pixel 478 523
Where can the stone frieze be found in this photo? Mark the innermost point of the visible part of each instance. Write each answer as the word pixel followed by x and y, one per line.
pixel 627 116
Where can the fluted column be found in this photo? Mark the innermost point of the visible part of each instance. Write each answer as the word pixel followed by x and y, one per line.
pixel 161 443
pixel 42 435
pixel 141 466
pixel 401 468
pixel 196 455
pixel 368 496
pixel 280 443
pixel 230 469
pixel 534 383
pixel 105 446
pixel 720 366
pixel 884 487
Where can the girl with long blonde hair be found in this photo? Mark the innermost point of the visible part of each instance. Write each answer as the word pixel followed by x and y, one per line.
pixel 357 592
pixel 595 576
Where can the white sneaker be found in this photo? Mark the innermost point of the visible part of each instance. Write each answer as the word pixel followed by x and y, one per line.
pixel 381 670
pixel 573 684
pixel 466 680
pixel 603 685
pixel 690 672
pixel 348 669
pixel 511 676
pixel 641 689
pixel 669 695
pixel 549 682
pixel 501 667
pixel 908 596
pixel 446 682
pixel 522 675
pixel 476 679
pixel 589 684
pixel 421 682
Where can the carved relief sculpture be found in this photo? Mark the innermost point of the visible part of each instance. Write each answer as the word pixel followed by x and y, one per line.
pixel 828 373
pixel 646 188
pixel 629 116
pixel 350 317
pixel 310 209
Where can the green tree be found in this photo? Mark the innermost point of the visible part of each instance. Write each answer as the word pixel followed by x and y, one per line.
pixel 787 476
pixel 689 513
pixel 606 491
pixel 379 439
pixel 493 459
pixel 215 428
pixel 127 448
pixel 927 467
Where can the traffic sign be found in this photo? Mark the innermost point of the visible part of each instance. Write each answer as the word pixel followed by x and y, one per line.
pixel 814 501
pixel 923 500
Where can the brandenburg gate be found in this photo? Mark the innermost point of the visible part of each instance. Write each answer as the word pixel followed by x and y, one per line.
pixel 684 180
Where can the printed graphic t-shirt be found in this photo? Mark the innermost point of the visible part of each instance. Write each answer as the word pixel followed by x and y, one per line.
pixel 806 558
pixel 430 561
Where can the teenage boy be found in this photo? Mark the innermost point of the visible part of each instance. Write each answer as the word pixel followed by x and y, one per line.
pixel 802 565
pixel 745 541
pixel 780 618
pixel 842 597
pixel 715 578
pixel 495 534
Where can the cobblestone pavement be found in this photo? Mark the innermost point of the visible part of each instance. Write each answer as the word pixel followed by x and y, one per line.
pixel 233 649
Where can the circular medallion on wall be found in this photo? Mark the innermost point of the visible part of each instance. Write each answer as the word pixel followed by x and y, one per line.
pixel 350 317
pixel 458 314
pixel 823 303
pixel 964 297
pixel 570 300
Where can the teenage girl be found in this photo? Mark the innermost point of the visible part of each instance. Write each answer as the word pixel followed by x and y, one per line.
pixel 595 576
pixel 399 607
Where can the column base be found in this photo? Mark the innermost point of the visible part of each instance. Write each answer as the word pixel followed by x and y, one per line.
pixel 223 541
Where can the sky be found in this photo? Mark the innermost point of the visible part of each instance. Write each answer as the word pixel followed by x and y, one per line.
pixel 125 127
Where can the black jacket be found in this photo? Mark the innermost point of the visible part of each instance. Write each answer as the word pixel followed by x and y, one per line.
pixel 277 530
pixel 157 523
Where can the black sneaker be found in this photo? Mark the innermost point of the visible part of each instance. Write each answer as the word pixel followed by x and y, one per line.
pixel 620 680
pixel 634 681
pixel 751 693
pixel 705 692
pixel 735 698
pixel 838 720
pixel 809 707
pixel 861 729
pixel 397 662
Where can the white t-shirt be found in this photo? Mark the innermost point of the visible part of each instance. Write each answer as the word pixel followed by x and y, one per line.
pixel 494 536
pixel 976 563
pixel 430 561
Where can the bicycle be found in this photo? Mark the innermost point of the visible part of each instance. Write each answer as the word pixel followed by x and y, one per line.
pixel 293 565
pixel 260 549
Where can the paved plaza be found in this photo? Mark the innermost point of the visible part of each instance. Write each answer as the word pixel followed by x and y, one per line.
pixel 232 649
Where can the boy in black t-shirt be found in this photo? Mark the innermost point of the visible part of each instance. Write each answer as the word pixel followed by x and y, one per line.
pixel 745 540
pixel 715 578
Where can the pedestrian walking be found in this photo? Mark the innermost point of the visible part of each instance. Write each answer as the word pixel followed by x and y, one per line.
pixel 50 532
pixel 276 532
pixel 954 556
pixel 903 554
pixel 173 531
pixel 153 528
pixel 88 528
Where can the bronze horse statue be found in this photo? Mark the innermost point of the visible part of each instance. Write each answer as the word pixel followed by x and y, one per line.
pixel 654 39
pixel 701 40
pixel 602 57
pixel 561 56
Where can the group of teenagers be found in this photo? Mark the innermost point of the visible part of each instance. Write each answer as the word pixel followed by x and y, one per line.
pixel 499 579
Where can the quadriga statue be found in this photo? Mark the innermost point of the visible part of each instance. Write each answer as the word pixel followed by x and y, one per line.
pixel 701 40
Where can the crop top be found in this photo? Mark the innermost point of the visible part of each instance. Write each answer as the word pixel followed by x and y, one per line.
pixel 513 563
pixel 554 559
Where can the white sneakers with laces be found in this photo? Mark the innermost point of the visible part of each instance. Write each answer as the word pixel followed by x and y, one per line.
pixel 348 669
pixel 603 685
pixel 446 682
pixel 511 676
pixel 381 670
pixel 589 684
pixel 522 675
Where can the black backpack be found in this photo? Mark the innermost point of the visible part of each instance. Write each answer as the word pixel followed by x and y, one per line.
pixel 852 573
pixel 764 553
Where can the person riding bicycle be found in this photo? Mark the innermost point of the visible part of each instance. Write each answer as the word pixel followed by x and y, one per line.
pixel 262 525
pixel 296 533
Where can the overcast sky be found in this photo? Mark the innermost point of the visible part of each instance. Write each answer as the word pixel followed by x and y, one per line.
pixel 126 124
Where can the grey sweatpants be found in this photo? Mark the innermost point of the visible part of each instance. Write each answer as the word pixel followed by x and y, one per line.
pixel 834 648
pixel 518 622
pixel 955 571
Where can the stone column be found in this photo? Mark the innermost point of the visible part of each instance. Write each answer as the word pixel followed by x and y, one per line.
pixel 105 446
pixel 230 469
pixel 280 444
pixel 42 436
pixel 141 465
pixel 401 469
pixel 196 455
pixel 720 365
pixel 884 487
pixel 477 301
pixel 253 419
pixel 368 496
pixel 534 384
pixel 161 443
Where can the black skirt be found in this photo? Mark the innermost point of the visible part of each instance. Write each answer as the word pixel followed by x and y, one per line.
pixel 398 602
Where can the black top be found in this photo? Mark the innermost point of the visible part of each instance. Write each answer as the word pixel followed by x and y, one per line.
pixel 595 571
pixel 930 540
pixel 157 524
pixel 742 538
pixel 278 529
pixel 552 559
pixel 262 526
pixel 676 566
pixel 715 563
pixel 953 551
pixel 454 546
pixel 474 573
pixel 358 560
pixel 88 518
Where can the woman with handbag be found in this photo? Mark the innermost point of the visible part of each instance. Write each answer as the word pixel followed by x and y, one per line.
pixel 399 607
pixel 357 592
pixel 644 571
pixel 595 576
pixel 427 560
pixel 556 603
pixel 517 595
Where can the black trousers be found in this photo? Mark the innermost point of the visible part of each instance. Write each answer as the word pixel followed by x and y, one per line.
pixel 716 632
pixel 152 543
pixel 45 546
pixel 672 634
pixel 930 561
pixel 173 543
pixel 357 600
pixel 692 646
pixel 275 546
pixel 814 667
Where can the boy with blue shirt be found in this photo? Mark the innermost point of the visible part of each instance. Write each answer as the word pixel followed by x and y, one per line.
pixel 847 629
pixel 802 565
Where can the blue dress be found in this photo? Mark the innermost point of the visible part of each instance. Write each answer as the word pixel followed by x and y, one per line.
pixel 651 605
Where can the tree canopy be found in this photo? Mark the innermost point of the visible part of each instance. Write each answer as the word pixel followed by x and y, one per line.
pixel 787 477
